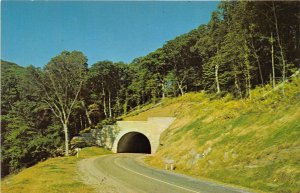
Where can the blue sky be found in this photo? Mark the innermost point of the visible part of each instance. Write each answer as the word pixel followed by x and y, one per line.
pixel 34 32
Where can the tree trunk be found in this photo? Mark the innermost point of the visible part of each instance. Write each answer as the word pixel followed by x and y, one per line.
pixel 118 106
pixel 217 77
pixel 104 103
pixel 163 90
pixel 258 61
pixel 153 96
pixel 236 83
pixel 81 124
pixel 248 76
pixel 217 71
pixel 109 105
pixel 281 49
pixel 273 64
pixel 248 83
pixel 65 127
pixel 86 113
pixel 180 88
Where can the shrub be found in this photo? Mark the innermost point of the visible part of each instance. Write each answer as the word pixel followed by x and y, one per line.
pixel 79 142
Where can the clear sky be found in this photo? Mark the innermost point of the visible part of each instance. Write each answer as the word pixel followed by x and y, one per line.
pixel 34 32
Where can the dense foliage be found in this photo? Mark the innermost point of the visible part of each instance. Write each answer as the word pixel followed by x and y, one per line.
pixel 29 132
pixel 245 44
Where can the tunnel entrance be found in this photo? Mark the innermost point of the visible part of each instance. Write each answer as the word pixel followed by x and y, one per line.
pixel 134 142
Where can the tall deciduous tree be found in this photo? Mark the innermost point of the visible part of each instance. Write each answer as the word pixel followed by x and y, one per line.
pixel 61 82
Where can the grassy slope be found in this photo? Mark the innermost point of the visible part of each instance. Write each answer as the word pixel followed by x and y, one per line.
pixel 253 143
pixel 53 175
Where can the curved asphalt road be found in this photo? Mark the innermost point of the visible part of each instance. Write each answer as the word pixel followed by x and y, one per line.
pixel 131 175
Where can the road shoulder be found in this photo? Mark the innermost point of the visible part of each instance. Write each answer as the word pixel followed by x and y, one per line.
pixel 91 176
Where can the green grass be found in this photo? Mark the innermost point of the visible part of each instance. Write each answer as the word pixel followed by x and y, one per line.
pixel 254 143
pixel 53 175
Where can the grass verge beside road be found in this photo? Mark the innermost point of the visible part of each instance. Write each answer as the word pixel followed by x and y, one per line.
pixel 252 143
pixel 53 175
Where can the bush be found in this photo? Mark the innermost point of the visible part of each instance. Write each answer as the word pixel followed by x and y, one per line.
pixel 86 130
pixel 79 142
pixel 108 121
pixel 59 152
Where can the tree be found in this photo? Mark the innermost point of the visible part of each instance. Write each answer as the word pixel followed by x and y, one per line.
pixel 102 80
pixel 183 62
pixel 156 64
pixel 29 132
pixel 60 83
pixel 11 76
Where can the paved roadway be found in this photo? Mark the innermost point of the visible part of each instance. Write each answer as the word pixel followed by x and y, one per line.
pixel 127 171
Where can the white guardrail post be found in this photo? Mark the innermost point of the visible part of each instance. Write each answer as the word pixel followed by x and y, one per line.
pixel 169 162
pixel 77 152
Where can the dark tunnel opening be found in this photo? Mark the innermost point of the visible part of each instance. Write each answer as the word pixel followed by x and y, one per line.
pixel 134 142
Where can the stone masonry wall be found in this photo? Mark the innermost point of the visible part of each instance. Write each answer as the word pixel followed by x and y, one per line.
pixel 102 137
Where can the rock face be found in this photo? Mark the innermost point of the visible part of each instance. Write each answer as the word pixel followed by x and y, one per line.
pixel 110 135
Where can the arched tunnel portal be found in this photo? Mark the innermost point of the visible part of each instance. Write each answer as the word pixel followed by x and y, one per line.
pixel 134 142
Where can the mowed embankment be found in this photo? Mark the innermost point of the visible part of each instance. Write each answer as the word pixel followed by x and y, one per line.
pixel 252 143
pixel 53 175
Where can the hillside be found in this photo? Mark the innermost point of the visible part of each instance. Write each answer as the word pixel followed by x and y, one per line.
pixel 58 174
pixel 252 143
